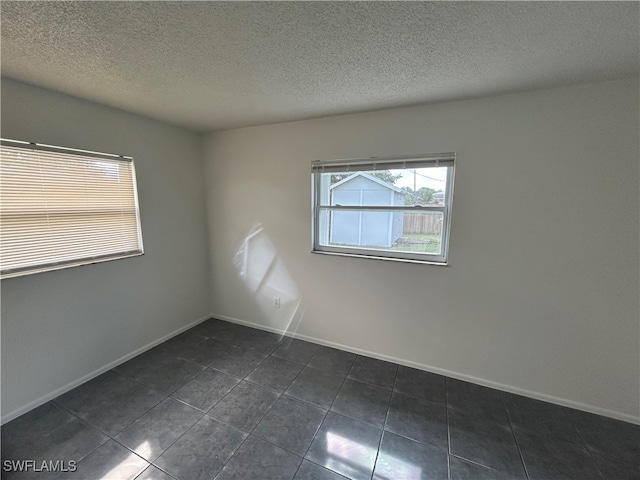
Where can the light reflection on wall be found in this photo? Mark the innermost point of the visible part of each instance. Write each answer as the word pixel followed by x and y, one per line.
pixel 266 277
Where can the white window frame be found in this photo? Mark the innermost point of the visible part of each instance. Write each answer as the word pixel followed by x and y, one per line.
pixel 383 163
pixel 13 263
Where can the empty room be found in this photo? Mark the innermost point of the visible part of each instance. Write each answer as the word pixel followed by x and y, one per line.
pixel 320 240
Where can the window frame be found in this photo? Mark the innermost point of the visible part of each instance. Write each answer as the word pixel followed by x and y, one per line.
pixel 79 260
pixel 383 163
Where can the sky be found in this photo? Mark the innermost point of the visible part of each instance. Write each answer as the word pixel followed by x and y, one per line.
pixel 425 177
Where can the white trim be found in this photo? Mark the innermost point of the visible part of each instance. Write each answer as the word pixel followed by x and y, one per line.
pixel 318 209
pixel 69 386
pixel 459 376
pixel 469 378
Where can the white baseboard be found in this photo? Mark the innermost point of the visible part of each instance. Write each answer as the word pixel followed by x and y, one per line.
pixel 51 395
pixel 479 381
pixel 459 376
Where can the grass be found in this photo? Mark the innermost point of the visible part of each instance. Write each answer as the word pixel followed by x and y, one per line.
pixel 409 242
pixel 418 242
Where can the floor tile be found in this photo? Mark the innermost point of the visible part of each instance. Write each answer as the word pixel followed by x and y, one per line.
pixel 257 459
pixel 346 446
pixel 608 436
pixel 263 342
pixel 547 459
pixel 230 332
pixel 418 420
pixel 201 452
pixel 614 469
pixel 206 389
pixel 160 370
pixel 475 399
pixel 464 470
pixel 207 327
pixel 332 360
pixel 74 440
pixel 207 352
pixel 486 442
pixel 376 372
pixel 315 386
pixel 60 437
pixel 239 362
pixel 110 401
pixel 363 402
pixel 40 421
pixel 181 344
pixel 296 350
pixel 400 458
pixel 311 471
pixel 244 406
pixel 275 373
pixel 157 429
pixel 250 430
pixel 420 384
pixel 110 461
pixel 153 473
pixel 290 424
pixel 34 469
pixel 541 418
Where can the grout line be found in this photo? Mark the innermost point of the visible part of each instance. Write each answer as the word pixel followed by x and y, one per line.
pixel 249 434
pixel 293 398
pixel 83 421
pixel 339 475
pixel 152 462
pixel 325 416
pixel 384 424
pixel 167 397
pixel 109 436
pixel 473 462
pixel 586 447
pixel 100 429
pixel 187 431
pixel 151 465
pixel 513 434
pixel 279 396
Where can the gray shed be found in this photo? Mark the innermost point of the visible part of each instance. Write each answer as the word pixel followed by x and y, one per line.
pixel 365 229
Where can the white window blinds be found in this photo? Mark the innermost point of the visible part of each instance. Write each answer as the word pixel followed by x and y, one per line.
pixel 62 207
pixel 383 163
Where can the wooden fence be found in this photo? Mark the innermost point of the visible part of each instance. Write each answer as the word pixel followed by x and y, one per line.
pixel 424 223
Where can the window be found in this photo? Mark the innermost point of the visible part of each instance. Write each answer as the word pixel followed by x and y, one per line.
pixel 389 208
pixel 61 207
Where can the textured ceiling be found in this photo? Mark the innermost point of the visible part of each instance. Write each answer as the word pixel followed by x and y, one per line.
pixel 214 65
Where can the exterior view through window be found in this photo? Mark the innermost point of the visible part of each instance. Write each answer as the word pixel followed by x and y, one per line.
pixel 392 208
pixel 62 207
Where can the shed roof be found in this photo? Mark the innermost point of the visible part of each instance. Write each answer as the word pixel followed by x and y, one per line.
pixel 368 176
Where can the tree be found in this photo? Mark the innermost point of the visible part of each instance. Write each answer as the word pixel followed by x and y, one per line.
pixel 386 176
pixel 423 196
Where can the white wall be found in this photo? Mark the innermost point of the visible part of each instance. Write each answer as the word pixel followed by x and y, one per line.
pixel 541 294
pixel 58 327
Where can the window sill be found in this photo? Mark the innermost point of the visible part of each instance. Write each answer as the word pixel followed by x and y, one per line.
pixel 63 266
pixel 378 257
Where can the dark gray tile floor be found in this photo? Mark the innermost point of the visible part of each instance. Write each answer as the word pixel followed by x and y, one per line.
pixel 224 401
